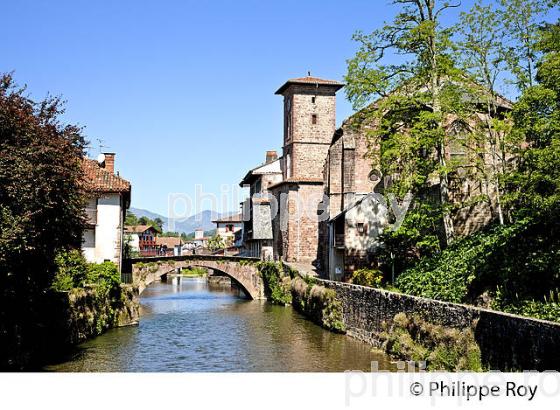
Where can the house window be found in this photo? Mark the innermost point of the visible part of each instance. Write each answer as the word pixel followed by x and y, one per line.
pixel 313 100
pixel 314 119
pixel 361 227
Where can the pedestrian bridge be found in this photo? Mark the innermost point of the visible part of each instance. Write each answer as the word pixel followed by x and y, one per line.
pixel 242 270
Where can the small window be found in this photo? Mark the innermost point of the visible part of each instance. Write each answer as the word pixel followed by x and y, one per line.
pixel 314 119
pixel 361 227
pixel 313 100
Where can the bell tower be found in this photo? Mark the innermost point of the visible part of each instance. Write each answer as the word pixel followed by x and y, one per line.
pixel 309 125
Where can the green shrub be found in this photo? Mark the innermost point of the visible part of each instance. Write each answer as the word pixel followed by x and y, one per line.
pixel 105 275
pixel 71 270
pixel 546 309
pixel 442 348
pixel 367 277
pixel 195 271
pixel 277 285
pixel 318 303
pixel 522 259
pixel 74 272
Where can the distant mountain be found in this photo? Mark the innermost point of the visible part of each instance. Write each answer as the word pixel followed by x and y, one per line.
pixel 201 220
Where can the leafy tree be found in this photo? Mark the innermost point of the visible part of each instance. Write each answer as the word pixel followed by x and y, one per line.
pixel 535 187
pixel 159 224
pixel 131 219
pixel 216 243
pixel 418 93
pixel 521 21
pixel 482 54
pixel 41 211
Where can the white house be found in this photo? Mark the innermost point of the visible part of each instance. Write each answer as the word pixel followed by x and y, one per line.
pixel 227 227
pixel 109 197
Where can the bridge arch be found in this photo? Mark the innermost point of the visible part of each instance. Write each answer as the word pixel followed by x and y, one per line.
pixel 242 270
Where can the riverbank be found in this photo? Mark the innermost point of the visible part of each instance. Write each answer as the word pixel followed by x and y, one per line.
pixel 448 336
pixel 84 313
pixel 189 325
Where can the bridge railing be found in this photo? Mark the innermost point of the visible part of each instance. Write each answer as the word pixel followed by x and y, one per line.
pixel 127 263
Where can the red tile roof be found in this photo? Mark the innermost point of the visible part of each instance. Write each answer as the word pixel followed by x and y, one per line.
pixel 169 241
pixel 310 80
pixel 97 179
pixel 138 228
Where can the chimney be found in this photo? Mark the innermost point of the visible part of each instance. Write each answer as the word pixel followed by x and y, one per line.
pixel 271 156
pixel 110 162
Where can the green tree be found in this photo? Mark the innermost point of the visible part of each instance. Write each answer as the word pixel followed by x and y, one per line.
pixel 131 219
pixel 41 211
pixel 159 224
pixel 216 243
pixel 481 54
pixel 419 92
pixel 521 20
pixel 535 187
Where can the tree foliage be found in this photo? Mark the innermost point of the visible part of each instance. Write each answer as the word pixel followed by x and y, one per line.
pixel 41 207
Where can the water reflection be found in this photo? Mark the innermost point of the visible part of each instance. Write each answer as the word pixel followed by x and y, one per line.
pixel 189 326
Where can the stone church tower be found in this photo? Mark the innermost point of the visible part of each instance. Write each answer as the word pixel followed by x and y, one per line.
pixel 309 126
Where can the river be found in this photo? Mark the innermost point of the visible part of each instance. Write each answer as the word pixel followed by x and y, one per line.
pixel 191 326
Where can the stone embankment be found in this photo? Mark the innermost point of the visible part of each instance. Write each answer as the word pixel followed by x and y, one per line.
pixel 506 342
pixel 84 313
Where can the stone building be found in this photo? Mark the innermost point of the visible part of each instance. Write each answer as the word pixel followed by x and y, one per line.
pixel 309 124
pixel 357 216
pixel 324 200
pixel 257 232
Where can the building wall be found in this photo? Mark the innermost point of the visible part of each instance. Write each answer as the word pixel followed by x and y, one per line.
pixel 108 231
pixel 88 245
pixel 359 246
pixel 221 229
pixel 296 228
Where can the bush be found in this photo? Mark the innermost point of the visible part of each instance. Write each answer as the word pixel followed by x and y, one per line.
pixel 546 309
pixel 277 286
pixel 105 275
pixel 318 303
pixel 522 259
pixel 195 271
pixel 71 270
pixel 367 277
pixel 442 348
pixel 74 272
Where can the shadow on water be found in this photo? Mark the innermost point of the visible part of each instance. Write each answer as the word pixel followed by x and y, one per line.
pixel 189 326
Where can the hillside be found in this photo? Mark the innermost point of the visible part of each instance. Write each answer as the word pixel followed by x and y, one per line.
pixel 201 220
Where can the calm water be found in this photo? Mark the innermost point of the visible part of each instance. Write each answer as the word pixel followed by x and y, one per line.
pixel 189 326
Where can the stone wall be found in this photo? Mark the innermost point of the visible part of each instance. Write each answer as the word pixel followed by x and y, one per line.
pixel 82 314
pixel 507 342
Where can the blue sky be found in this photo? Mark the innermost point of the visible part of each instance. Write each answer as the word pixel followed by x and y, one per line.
pixel 182 91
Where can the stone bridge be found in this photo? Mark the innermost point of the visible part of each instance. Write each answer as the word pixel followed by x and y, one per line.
pixel 242 270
